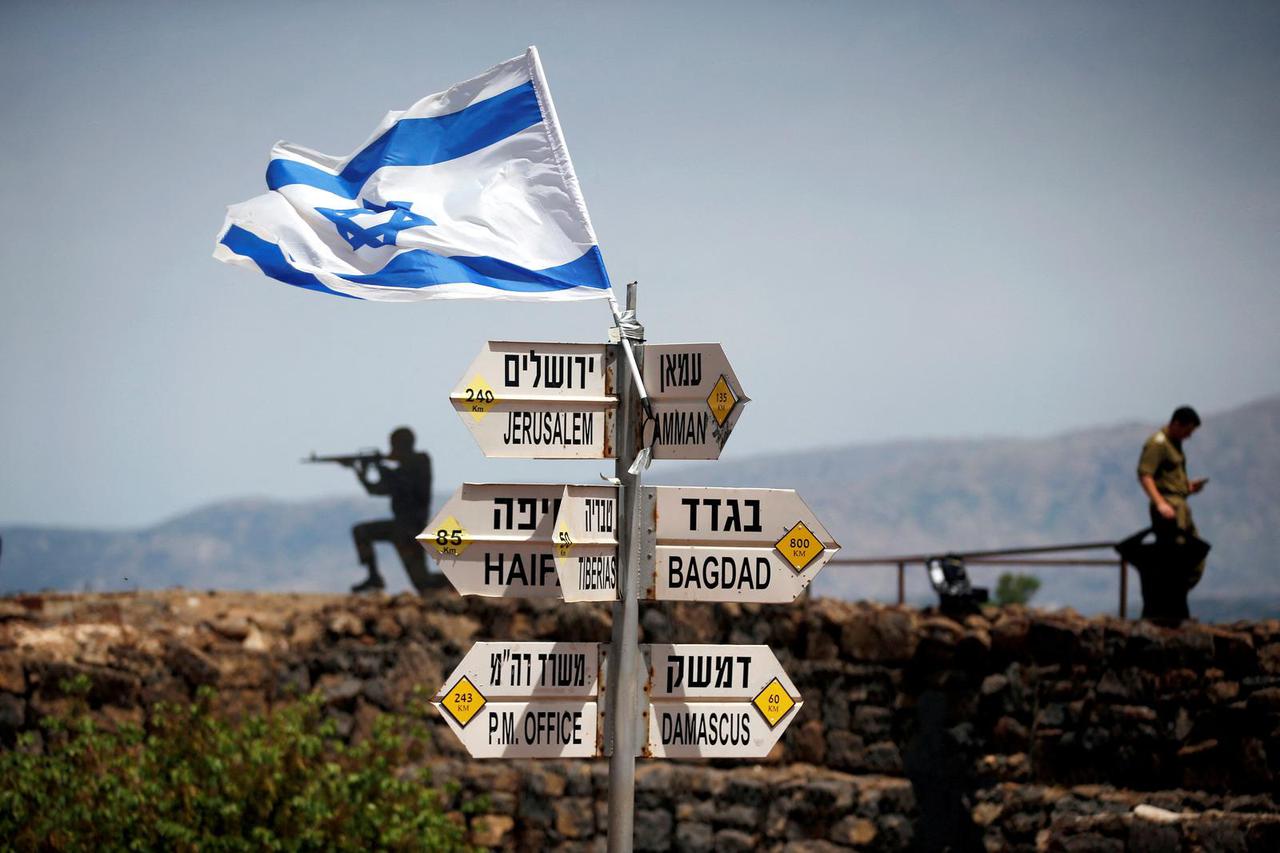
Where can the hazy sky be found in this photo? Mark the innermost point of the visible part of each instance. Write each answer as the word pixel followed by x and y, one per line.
pixel 900 219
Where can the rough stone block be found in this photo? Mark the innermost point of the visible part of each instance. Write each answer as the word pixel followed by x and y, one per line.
pixel 694 838
pixel 574 817
pixel 13 677
pixel 808 742
pixel 653 829
pixel 853 831
pixel 734 841
pixel 873 723
pixel 491 830
pixel 845 751
pixel 13 712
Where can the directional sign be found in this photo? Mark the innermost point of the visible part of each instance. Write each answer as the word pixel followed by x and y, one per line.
pixel 710 701
pixel 541 700
pixel 525 700
pixel 696 400
pixel 497 539
pixel 540 400
pixel 586 543
pixel 760 545
pixel 706 544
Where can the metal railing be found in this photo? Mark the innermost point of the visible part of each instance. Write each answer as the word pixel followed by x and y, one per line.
pixel 1011 557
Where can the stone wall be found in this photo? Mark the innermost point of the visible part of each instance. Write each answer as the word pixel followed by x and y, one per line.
pixel 539 805
pixel 915 727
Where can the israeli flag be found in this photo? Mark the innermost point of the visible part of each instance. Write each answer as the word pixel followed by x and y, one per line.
pixel 467 194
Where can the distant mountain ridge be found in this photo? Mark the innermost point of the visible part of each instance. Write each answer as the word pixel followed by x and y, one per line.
pixel 1081 486
pixel 890 498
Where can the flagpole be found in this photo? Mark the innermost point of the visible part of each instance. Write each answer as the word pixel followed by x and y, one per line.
pixel 618 319
pixel 622 698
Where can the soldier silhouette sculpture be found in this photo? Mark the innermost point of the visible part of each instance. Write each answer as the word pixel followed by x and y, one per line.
pixel 408 484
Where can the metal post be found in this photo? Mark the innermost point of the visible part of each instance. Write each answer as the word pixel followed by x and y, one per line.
pixel 1124 589
pixel 622 696
pixel 902 583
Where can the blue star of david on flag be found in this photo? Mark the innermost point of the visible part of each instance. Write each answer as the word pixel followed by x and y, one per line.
pixel 499 213
pixel 382 234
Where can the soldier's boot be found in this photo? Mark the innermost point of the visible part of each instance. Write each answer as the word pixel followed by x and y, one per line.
pixel 369 559
pixel 373 583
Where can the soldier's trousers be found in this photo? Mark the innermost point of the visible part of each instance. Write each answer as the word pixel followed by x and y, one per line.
pixel 401 534
pixel 1175 531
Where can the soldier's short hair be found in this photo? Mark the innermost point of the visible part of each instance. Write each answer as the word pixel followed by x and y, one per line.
pixel 402 435
pixel 1186 416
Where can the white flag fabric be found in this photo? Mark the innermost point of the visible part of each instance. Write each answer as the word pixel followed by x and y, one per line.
pixel 467 194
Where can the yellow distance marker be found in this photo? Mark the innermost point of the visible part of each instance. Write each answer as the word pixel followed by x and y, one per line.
pixel 479 397
pixel 773 702
pixel 721 400
pixel 463 702
pixel 799 546
pixel 450 538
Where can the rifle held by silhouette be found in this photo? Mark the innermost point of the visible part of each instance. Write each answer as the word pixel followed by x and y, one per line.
pixel 364 457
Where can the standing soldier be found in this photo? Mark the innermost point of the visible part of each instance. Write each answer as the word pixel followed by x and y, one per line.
pixel 1162 471
pixel 408 485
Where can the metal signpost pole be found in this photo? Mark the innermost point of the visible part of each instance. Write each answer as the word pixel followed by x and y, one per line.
pixel 622 677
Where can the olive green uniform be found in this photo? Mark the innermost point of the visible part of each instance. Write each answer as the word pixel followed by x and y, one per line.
pixel 1163 460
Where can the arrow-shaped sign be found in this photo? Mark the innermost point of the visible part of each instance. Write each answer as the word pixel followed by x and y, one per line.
pixel 704 544
pixel 586 544
pixel 540 400
pixel 696 400
pixel 496 539
pixel 710 701
pixel 525 700
pixel 762 545
pixel 540 700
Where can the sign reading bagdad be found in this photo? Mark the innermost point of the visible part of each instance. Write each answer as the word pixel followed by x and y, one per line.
pixel 735 545
pixel 541 700
pixel 709 544
pixel 539 400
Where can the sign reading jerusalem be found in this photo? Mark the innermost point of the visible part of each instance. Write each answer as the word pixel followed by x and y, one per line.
pixel 696 400
pixel 540 400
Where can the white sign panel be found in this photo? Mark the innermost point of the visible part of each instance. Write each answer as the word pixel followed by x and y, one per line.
pixel 495 539
pixel 696 400
pixel 541 700
pixel 525 700
pixel 586 543
pixel 709 701
pixel 543 728
pixel 696 671
pixel 761 545
pixel 540 400
pixel 520 670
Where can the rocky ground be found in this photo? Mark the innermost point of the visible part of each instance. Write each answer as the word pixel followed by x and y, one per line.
pixel 1015 730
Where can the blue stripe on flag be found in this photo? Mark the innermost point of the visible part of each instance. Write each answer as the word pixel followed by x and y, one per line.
pixel 420 142
pixel 418 268
pixel 271 260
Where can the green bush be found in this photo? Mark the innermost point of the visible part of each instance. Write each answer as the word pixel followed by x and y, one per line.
pixel 1015 589
pixel 192 781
